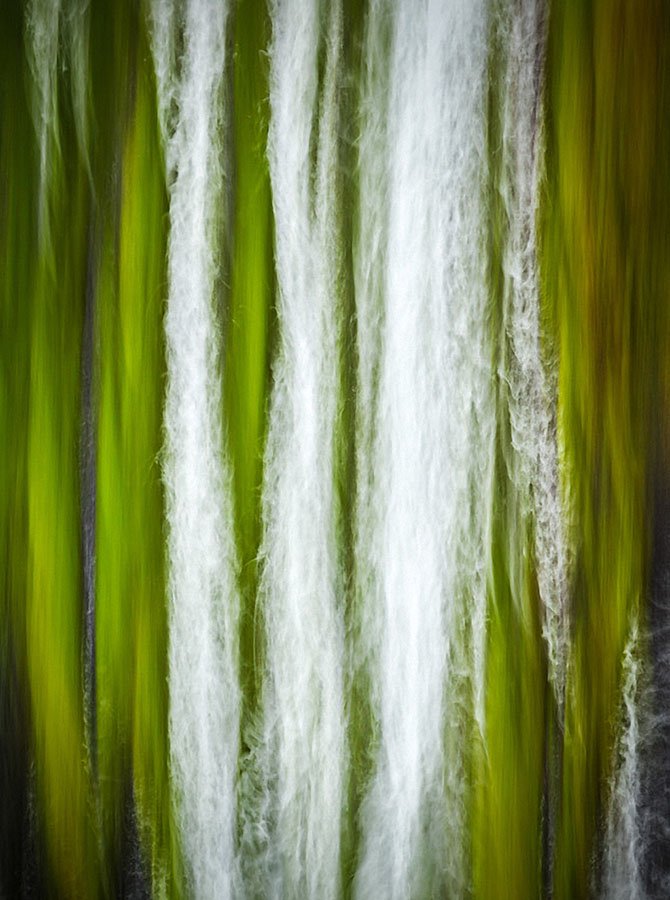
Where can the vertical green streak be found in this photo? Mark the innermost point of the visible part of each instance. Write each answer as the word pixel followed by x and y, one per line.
pixel 117 463
pixel 142 254
pixel 344 432
pixel 131 618
pixel 508 771
pixel 249 317
pixel 17 230
pixel 54 596
pixel 142 291
pixel 600 248
pixel 509 774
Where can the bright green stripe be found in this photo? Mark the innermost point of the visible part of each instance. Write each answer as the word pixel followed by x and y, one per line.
pixel 250 315
pixel 142 291
pixel 509 776
pixel 131 619
pixel 54 600
pixel 120 549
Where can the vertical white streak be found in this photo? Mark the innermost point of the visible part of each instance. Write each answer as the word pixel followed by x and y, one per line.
pixel 532 391
pixel 369 256
pixel 304 727
pixel 203 642
pixel 622 876
pixel 432 450
pixel 42 38
pixel 56 36
pixel 165 24
pixel 76 23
